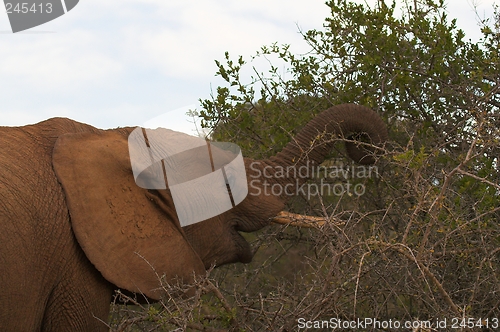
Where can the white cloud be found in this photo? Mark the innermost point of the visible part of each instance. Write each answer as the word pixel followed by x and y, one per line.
pixel 187 45
pixel 55 61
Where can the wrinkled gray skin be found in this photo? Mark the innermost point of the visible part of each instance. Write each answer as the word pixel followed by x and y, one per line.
pixel 74 226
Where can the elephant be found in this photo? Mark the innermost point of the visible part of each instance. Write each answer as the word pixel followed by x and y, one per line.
pixel 75 226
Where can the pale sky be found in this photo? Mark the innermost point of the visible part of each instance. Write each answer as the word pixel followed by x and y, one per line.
pixel 123 62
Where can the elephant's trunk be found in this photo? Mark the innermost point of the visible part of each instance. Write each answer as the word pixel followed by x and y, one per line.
pixel 315 141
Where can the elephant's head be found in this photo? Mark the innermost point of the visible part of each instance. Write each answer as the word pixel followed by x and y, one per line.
pixel 271 182
pixel 134 235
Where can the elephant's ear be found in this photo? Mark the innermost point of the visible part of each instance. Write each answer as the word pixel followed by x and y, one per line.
pixel 128 238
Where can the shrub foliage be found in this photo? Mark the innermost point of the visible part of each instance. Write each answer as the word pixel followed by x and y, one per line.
pixel 423 241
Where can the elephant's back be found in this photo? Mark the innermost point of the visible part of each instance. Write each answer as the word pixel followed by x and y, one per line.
pixel 26 145
pixel 37 246
pixel 31 199
pixel 26 172
pixel 29 191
